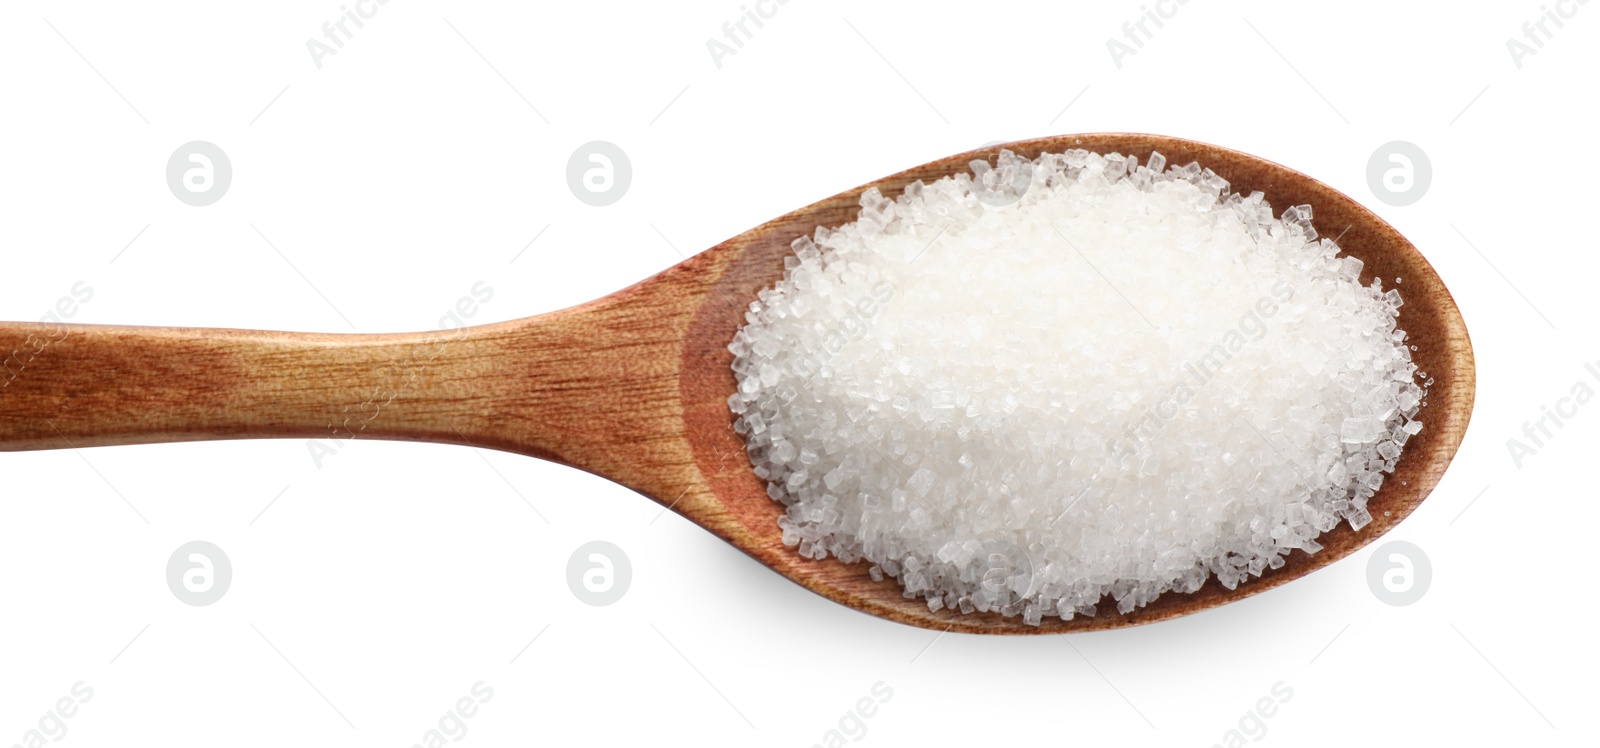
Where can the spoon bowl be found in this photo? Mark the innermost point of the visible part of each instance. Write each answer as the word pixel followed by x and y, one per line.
pixel 634 386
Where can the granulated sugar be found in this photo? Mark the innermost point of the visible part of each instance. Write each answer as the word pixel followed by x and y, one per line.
pixel 1068 378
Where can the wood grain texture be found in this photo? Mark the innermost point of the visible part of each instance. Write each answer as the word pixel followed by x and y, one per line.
pixel 633 387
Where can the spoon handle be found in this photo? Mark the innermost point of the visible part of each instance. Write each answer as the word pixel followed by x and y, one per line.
pixel 69 386
pixel 594 387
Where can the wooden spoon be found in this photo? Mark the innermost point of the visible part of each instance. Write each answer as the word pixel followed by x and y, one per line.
pixel 633 387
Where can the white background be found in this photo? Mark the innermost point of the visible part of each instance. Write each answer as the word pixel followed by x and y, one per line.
pixel 375 591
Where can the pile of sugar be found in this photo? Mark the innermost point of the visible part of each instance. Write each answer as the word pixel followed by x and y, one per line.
pixel 1071 377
